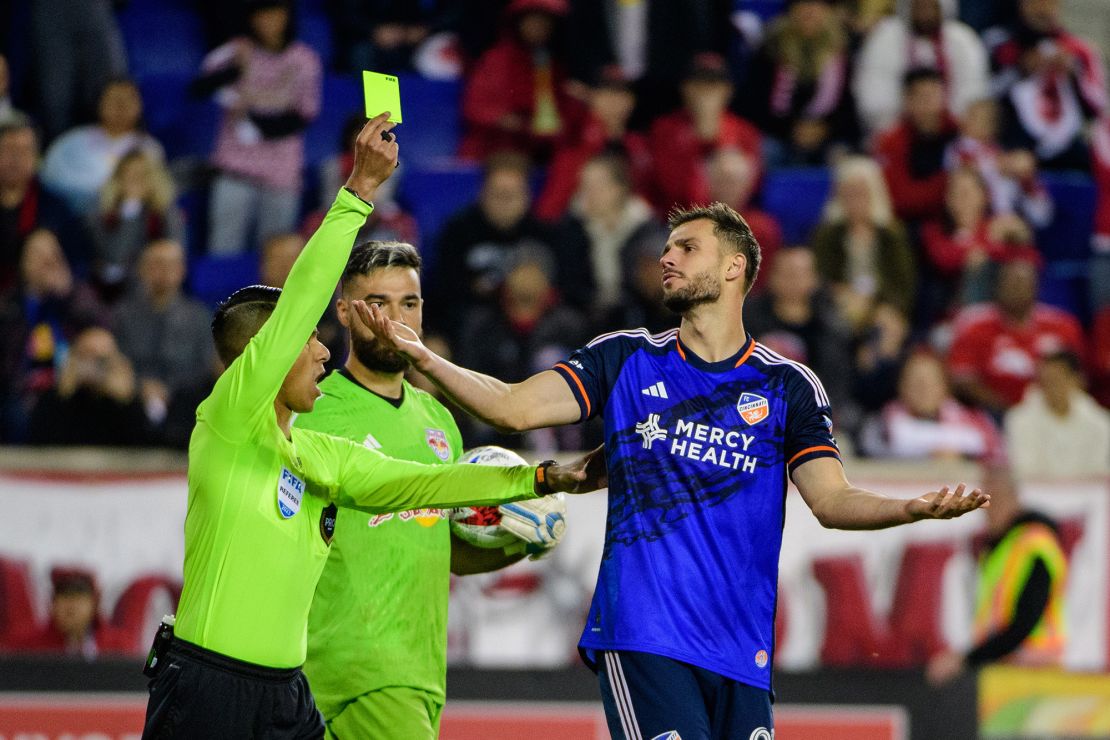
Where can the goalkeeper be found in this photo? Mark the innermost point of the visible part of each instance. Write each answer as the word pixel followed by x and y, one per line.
pixel 377 631
pixel 258 523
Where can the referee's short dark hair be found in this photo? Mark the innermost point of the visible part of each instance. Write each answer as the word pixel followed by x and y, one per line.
pixel 239 317
pixel 731 230
pixel 373 255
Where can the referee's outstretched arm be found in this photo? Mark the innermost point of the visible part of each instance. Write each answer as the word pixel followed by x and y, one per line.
pixel 356 477
pixel 838 504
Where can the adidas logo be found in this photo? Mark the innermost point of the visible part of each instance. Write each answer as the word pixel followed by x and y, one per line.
pixel 658 390
pixel 371 443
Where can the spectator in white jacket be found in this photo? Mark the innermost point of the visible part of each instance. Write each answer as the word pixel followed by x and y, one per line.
pixel 923 34
pixel 1058 430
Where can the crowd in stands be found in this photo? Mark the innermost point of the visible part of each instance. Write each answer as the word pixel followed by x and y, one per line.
pixel 915 298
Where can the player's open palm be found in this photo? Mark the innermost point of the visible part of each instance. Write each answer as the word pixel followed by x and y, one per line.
pixel 947 503
pixel 392 333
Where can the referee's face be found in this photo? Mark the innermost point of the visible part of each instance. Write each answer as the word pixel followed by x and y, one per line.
pixel 299 391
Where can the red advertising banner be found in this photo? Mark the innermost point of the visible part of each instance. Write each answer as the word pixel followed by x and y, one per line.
pixel 120 717
pixel 71 716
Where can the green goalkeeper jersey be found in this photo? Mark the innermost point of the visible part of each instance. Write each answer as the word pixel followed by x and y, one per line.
pixel 379 617
pixel 256 537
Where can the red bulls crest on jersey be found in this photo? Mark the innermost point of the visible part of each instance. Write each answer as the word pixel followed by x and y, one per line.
pixel 437 440
pixel 753 409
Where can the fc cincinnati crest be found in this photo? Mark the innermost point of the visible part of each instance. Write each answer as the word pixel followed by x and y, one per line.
pixel 437 440
pixel 753 409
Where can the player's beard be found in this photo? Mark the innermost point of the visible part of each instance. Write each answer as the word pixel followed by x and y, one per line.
pixel 375 356
pixel 704 287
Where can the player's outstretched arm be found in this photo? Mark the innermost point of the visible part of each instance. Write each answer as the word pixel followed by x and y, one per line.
pixel 543 400
pixel 838 504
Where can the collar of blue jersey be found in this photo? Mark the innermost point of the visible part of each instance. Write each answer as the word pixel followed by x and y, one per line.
pixel 722 366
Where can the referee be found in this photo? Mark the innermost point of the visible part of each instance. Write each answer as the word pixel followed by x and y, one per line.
pixel 259 524
pixel 702 427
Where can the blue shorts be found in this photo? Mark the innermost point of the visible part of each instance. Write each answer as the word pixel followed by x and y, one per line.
pixel 649 697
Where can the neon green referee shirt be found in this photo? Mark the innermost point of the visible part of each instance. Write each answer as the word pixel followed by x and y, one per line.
pixel 254 534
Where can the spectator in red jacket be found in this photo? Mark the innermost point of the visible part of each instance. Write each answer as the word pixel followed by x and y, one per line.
pixel 1100 240
pixel 1100 357
pixel 912 153
pixel 996 346
pixel 516 95
pixel 76 626
pixel 1051 81
pixel 964 245
pixel 682 142
pixel 604 128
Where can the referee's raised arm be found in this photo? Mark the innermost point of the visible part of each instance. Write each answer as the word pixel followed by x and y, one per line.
pixel 252 381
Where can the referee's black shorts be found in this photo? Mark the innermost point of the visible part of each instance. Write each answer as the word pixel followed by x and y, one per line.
pixel 202 694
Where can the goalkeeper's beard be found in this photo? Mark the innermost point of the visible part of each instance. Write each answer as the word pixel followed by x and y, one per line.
pixel 375 356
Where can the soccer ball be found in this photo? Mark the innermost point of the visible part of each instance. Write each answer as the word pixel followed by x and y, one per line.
pixel 481 525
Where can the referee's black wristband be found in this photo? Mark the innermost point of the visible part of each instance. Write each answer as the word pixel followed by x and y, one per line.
pixel 542 485
pixel 352 192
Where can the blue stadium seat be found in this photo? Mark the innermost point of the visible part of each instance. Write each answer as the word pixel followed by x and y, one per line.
pixel 157 5
pixel 795 197
pixel 1068 237
pixel 765 9
pixel 185 125
pixel 1064 285
pixel 162 40
pixel 433 194
pixel 211 279
pixel 342 96
pixel 314 28
pixel 432 124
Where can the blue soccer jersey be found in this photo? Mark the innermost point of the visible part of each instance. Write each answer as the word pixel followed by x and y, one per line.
pixel 698 455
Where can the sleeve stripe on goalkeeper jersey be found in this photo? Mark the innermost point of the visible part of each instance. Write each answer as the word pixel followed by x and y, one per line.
pixel 773 358
pixel 808 450
pixel 581 388
pixel 659 340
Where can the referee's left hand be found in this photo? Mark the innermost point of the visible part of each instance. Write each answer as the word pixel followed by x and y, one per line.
pixel 947 504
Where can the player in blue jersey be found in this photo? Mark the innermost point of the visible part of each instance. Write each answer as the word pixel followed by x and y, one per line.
pixel 702 427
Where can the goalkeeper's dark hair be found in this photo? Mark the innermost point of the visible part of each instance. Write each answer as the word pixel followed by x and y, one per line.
pixel 374 255
pixel 239 317
pixel 731 230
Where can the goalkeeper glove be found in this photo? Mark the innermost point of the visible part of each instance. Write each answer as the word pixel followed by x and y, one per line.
pixel 538 523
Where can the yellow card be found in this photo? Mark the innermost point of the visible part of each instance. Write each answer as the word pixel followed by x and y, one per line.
pixel 383 93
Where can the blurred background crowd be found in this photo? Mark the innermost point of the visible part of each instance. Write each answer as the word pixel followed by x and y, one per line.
pixel 929 181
